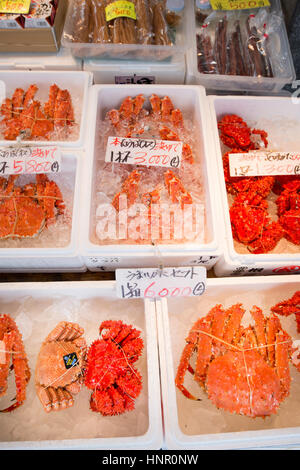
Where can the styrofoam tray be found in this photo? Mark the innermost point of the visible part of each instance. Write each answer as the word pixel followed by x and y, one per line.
pixel 37 308
pixel 77 82
pixel 192 424
pixel 232 83
pixel 126 51
pixel 192 101
pixel 137 72
pixel 58 251
pixel 250 109
pixel 61 60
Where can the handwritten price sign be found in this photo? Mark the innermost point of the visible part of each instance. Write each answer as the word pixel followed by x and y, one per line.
pixel 264 163
pixel 158 283
pixel 148 152
pixel 29 160
pixel 238 4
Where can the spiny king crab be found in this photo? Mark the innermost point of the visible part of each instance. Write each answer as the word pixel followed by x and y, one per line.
pixel 60 365
pixel 244 370
pixel 25 211
pixel 109 370
pixel 13 357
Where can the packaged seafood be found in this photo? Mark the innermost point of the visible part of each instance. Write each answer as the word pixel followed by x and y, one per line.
pixel 258 124
pixel 55 102
pixel 240 50
pixel 171 213
pixel 39 219
pixel 59 323
pixel 202 407
pixel 139 29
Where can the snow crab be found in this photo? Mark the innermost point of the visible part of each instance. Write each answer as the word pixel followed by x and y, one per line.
pixel 25 211
pixel 60 365
pixel 244 370
pixel 13 357
pixel 24 116
pixel 110 372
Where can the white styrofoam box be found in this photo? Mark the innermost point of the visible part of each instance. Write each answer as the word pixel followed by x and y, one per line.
pixel 136 72
pixel 190 424
pixel 192 101
pixel 282 75
pixel 61 60
pixel 62 257
pixel 37 308
pixel 250 109
pixel 126 51
pixel 78 84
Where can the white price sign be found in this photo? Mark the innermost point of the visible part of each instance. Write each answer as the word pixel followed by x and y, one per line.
pixel 29 160
pixel 158 283
pixel 148 152
pixel 265 163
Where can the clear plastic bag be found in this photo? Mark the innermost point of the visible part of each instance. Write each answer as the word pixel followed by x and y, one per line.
pixel 241 43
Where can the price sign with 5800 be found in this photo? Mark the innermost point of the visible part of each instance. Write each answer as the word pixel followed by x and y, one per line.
pixel 29 160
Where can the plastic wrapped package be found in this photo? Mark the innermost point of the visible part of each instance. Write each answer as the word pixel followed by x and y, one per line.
pixel 123 29
pixel 250 45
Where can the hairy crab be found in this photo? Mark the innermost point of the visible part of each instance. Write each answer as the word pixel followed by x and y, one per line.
pixel 244 370
pixel 13 357
pixel 60 366
pixel 110 372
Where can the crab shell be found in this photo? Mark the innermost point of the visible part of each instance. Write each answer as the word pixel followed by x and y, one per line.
pixel 60 364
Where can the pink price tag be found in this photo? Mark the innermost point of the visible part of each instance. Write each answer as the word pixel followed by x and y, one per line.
pixel 29 160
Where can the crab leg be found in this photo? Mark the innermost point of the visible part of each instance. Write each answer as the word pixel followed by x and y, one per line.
pixel 260 330
pixel 232 325
pixel 282 355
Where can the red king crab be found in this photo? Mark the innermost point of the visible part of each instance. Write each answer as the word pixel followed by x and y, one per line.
pixel 288 209
pixel 13 357
pixel 250 220
pixel 244 370
pixel 60 365
pixel 289 307
pixel 22 114
pixel 110 372
pixel 25 211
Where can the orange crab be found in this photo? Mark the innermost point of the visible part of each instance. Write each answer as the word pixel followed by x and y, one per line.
pixel 25 211
pixel 13 357
pixel 60 366
pixel 244 370
pixel 288 307
pixel 25 116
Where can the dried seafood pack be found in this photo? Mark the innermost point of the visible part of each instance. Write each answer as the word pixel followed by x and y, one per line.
pixel 242 359
pixel 161 204
pixel 242 43
pixel 103 23
pixel 264 210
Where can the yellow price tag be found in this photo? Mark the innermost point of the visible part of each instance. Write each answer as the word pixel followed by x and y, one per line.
pixel 238 4
pixel 15 6
pixel 120 8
